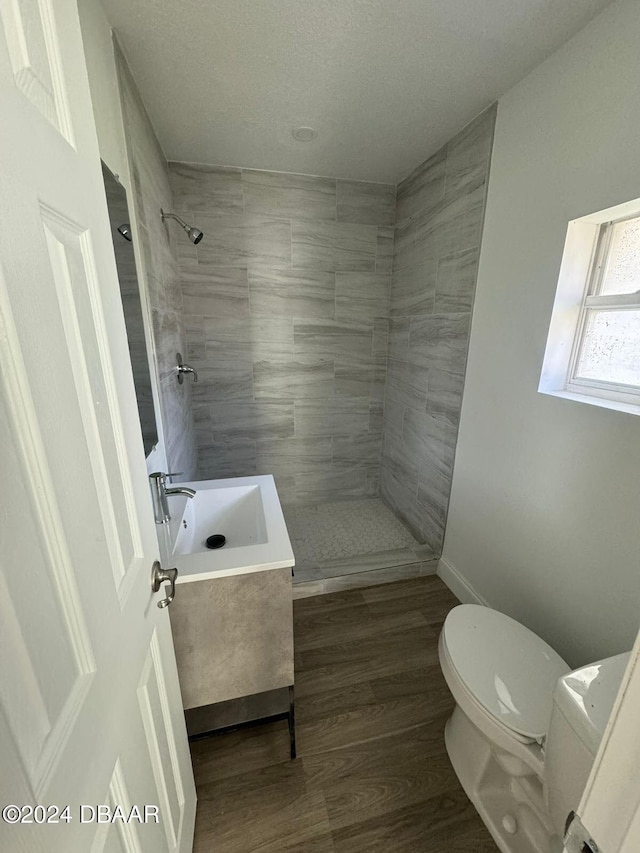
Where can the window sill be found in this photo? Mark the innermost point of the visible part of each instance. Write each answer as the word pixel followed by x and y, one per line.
pixel 602 402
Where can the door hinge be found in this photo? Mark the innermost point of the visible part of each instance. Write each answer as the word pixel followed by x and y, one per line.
pixel 577 838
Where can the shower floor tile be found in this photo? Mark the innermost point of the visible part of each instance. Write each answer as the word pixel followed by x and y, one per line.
pixel 328 531
pixel 344 544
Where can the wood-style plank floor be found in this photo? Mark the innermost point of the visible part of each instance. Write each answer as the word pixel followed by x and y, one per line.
pixel 372 772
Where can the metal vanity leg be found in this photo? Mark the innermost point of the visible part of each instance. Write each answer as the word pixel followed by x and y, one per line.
pixel 292 723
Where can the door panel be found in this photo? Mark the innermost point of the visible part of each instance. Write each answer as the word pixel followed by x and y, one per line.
pixel 90 709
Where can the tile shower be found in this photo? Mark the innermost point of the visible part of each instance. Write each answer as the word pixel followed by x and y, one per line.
pixel 329 320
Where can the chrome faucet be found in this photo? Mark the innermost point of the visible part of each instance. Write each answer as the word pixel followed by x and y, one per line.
pixel 160 492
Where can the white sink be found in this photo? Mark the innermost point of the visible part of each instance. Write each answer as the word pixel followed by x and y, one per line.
pixel 246 511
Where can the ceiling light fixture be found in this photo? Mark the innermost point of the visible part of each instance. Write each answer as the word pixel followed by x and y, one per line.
pixel 304 134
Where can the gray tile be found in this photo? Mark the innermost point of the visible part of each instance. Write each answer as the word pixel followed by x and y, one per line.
pixel 384 250
pixel 469 153
pixel 225 382
pixel 206 188
pixel 380 342
pixel 399 329
pixel 366 203
pixel 333 246
pixel 202 422
pixel 331 418
pixel 453 226
pixel 444 394
pixel 407 384
pixel 251 420
pixel 293 455
pixel 223 244
pixel 293 380
pixel 244 241
pixel 431 441
pixel 456 282
pixel 353 379
pixel 423 188
pixel 360 447
pixel 376 418
pixel 333 339
pixel 292 293
pixel 220 292
pixel 378 381
pixel 367 562
pixel 400 464
pixel 440 341
pixel 325 485
pixel 289 196
pixel 413 290
pixel 434 490
pixel 248 339
pixel 405 251
pixel 362 295
pixel 232 458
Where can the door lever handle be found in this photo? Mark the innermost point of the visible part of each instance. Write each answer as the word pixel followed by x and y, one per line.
pixel 160 576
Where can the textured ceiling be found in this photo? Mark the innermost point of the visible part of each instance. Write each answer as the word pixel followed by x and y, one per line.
pixel 384 82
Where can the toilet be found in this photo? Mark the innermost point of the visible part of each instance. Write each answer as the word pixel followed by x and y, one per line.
pixel 525 729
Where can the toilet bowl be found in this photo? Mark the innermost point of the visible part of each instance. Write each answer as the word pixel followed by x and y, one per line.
pixel 521 739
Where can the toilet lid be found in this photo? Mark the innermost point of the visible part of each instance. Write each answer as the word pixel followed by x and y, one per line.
pixel 510 671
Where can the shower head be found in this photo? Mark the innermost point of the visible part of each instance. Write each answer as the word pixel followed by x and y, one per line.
pixel 195 234
pixel 125 230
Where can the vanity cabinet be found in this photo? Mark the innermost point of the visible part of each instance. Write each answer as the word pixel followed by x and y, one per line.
pixel 233 639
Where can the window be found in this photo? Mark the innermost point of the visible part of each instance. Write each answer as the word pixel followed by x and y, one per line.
pixel 593 350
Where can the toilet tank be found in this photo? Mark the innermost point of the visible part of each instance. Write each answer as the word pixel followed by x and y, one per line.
pixel 582 703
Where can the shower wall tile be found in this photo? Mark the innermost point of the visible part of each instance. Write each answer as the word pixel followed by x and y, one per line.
pixel 364 203
pixel 384 250
pixel 362 296
pixel 420 191
pixel 251 420
pixel 293 380
pixel 380 340
pixel 224 382
pixel 445 394
pixel 456 281
pixel 202 188
pixel 221 293
pixel 440 341
pixel 289 196
pixel 292 293
pixel 232 458
pixel 286 304
pixel 337 339
pixel 413 290
pixel 336 417
pixel 333 246
pixel 440 209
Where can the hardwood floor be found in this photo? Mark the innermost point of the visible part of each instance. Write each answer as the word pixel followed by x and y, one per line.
pixel 372 772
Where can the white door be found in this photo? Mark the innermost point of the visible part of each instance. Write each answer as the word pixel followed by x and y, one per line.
pixel 610 806
pixel 90 710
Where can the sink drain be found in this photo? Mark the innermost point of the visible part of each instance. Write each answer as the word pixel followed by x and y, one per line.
pixel 216 541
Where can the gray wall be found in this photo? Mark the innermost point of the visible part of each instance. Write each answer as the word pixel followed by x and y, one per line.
pixel 151 191
pixel 286 305
pixel 440 210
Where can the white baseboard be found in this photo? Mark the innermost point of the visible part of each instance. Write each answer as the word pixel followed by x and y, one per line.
pixel 458 584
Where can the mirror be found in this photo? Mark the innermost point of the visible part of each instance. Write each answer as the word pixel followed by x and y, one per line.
pixel 131 302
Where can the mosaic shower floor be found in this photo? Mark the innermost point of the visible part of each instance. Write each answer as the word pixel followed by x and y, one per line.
pixel 345 544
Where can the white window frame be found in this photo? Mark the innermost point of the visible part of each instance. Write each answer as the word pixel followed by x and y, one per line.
pixel 581 273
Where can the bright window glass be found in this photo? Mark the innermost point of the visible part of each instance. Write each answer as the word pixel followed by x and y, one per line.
pixel 610 350
pixel 621 267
